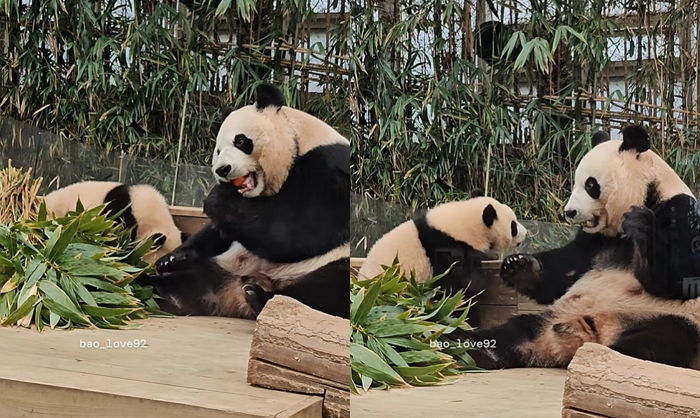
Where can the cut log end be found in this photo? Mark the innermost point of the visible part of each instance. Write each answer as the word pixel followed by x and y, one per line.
pixel 298 349
pixel 603 382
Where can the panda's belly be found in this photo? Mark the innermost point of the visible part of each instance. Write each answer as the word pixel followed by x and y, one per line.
pixel 605 291
pixel 598 308
pixel 240 261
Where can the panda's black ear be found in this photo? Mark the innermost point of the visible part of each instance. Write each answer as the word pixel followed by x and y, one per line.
pixel 599 137
pixel 636 138
pixel 477 192
pixel 489 215
pixel 268 95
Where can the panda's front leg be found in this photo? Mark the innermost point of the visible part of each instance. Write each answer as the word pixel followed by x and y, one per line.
pixel 522 272
pixel 547 275
pixel 648 246
pixel 208 242
pixel 638 230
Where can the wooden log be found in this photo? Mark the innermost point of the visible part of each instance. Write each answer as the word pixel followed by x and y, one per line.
pixel 575 413
pixel 603 382
pixel 298 349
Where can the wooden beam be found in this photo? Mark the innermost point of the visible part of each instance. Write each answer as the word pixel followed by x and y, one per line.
pixel 298 349
pixel 603 382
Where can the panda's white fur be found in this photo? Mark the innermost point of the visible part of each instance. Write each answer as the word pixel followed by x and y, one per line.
pixel 278 142
pixel 460 220
pixel 241 261
pixel 148 206
pixel 608 297
pixel 626 175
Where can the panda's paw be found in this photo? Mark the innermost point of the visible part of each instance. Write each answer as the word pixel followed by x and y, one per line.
pixel 521 271
pixel 256 297
pixel 175 260
pixel 638 223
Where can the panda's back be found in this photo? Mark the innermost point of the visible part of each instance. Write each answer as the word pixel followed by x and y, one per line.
pixel 152 213
pixel 90 193
pixel 403 241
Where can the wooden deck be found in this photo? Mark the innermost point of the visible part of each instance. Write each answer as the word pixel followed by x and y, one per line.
pixel 190 367
pixel 522 393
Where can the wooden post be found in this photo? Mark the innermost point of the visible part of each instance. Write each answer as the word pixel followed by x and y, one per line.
pixel 601 382
pixel 298 349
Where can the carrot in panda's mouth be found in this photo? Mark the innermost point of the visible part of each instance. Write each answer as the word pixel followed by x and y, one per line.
pixel 244 183
pixel 238 181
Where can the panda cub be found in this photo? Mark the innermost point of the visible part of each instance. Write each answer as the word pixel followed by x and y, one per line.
pixel 142 207
pixel 279 218
pixel 595 285
pixel 466 231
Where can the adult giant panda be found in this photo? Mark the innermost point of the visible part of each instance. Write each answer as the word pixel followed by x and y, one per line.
pixel 279 218
pixel 591 284
pixel 466 232
pixel 139 206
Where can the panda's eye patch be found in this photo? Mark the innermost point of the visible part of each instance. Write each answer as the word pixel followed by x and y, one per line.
pixel 243 143
pixel 592 187
pixel 513 228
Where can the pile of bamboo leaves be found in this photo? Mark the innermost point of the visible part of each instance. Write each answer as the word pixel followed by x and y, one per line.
pixel 75 271
pixel 400 332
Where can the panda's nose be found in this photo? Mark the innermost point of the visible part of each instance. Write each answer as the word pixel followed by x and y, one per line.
pixel 223 170
pixel 571 213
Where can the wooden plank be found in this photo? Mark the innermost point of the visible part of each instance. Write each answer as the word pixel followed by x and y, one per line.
pixel 337 397
pixel 189 220
pixel 188 367
pixel 604 382
pixel 187 211
pixel 522 393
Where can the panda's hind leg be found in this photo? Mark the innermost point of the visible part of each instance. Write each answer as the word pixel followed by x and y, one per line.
pixel 326 289
pixel 256 296
pixel 505 345
pixel 667 339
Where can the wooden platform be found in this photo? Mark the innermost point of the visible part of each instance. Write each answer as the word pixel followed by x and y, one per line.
pixel 190 367
pixel 522 393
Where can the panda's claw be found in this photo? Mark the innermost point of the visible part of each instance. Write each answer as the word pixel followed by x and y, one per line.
pixel 521 271
pixel 256 297
pixel 174 261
